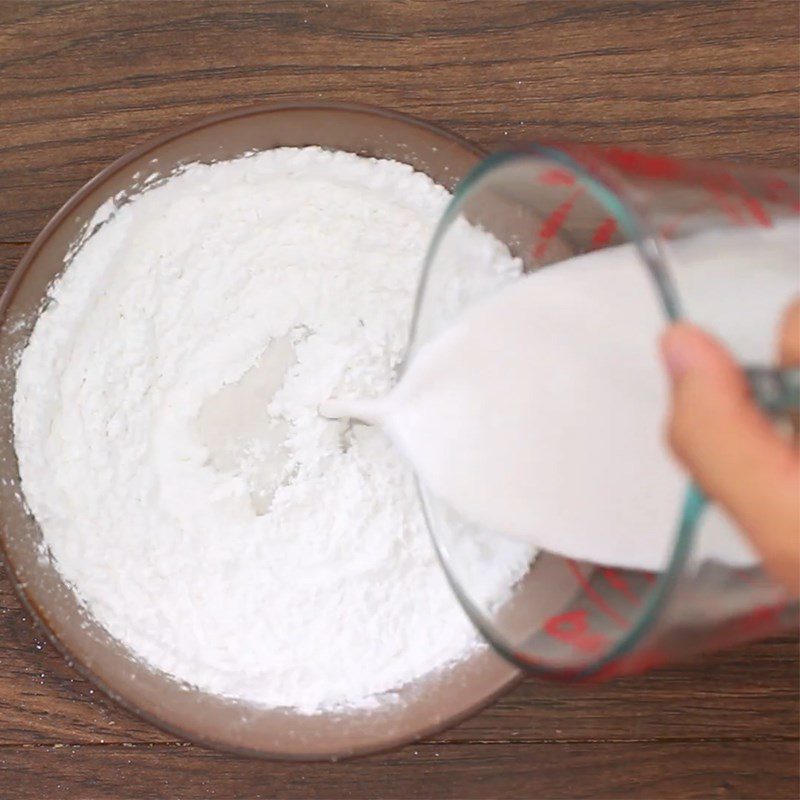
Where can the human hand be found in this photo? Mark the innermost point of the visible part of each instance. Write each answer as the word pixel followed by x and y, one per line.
pixel 730 446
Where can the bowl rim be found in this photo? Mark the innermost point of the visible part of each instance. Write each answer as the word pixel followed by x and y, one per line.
pixel 39 616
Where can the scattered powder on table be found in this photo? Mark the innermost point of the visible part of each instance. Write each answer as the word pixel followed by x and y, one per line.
pixel 171 450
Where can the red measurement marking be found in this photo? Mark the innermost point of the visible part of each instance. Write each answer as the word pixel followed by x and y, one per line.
pixel 724 203
pixel 751 202
pixel 603 232
pixel 760 618
pixel 557 177
pixel 595 597
pixel 572 627
pixel 633 664
pixel 778 190
pixel 777 186
pixel 757 210
pixel 616 580
pixel 651 166
pixel 554 222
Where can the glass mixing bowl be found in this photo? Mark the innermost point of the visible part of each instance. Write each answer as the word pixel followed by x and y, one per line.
pixel 421 708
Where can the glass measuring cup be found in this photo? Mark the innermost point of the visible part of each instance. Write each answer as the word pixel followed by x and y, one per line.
pixel 578 620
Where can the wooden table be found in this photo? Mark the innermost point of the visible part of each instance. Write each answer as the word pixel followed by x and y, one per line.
pixel 80 83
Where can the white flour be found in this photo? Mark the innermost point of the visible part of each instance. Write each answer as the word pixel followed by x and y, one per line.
pixel 170 448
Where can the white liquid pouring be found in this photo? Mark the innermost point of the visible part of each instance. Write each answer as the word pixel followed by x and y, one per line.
pixel 540 412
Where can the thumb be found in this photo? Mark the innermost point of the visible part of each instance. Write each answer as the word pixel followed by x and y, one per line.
pixel 731 448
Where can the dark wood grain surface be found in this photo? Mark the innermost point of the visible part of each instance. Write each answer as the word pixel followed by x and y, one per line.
pixel 82 82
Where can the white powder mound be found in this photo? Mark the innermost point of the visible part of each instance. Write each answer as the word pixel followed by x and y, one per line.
pixel 170 447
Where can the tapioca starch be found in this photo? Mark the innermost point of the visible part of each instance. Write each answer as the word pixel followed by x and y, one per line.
pixel 171 450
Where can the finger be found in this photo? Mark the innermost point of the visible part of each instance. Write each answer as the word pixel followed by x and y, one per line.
pixel 731 448
pixel 789 347
pixel 789 353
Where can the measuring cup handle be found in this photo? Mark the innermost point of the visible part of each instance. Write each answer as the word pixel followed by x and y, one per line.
pixel 775 390
pixel 694 504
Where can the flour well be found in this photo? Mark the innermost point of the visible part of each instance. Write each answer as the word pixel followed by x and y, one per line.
pixel 170 447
